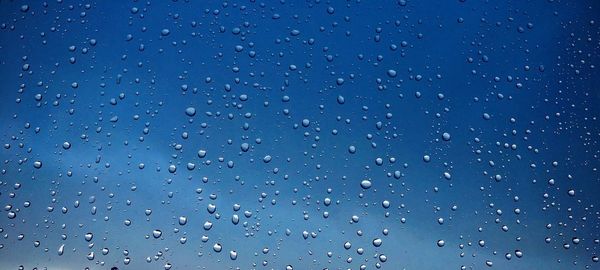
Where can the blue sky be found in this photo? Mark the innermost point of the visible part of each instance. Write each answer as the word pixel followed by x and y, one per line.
pixel 511 82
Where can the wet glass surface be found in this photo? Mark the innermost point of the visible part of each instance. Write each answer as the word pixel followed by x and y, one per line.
pixel 310 134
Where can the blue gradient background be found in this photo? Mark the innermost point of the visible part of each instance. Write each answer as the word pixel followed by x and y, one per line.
pixel 543 53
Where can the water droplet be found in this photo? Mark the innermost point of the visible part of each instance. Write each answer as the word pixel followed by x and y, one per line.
pixel 207 225
pixel 217 247
pixel 245 147
pixel 377 242
pixel 37 164
pixel 385 204
pixel 305 122
pixel 392 73
pixel 88 236
pixel 182 220
pixel 190 111
pixel 365 184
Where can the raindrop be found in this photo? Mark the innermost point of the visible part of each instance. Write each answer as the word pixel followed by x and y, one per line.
pixel 365 184
pixel 37 164
pixel 190 111
pixel 182 220
pixel 377 242
pixel 446 136
pixel 88 237
pixel 217 247
pixel 392 73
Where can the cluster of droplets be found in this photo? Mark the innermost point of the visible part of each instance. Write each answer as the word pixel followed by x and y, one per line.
pixel 262 105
